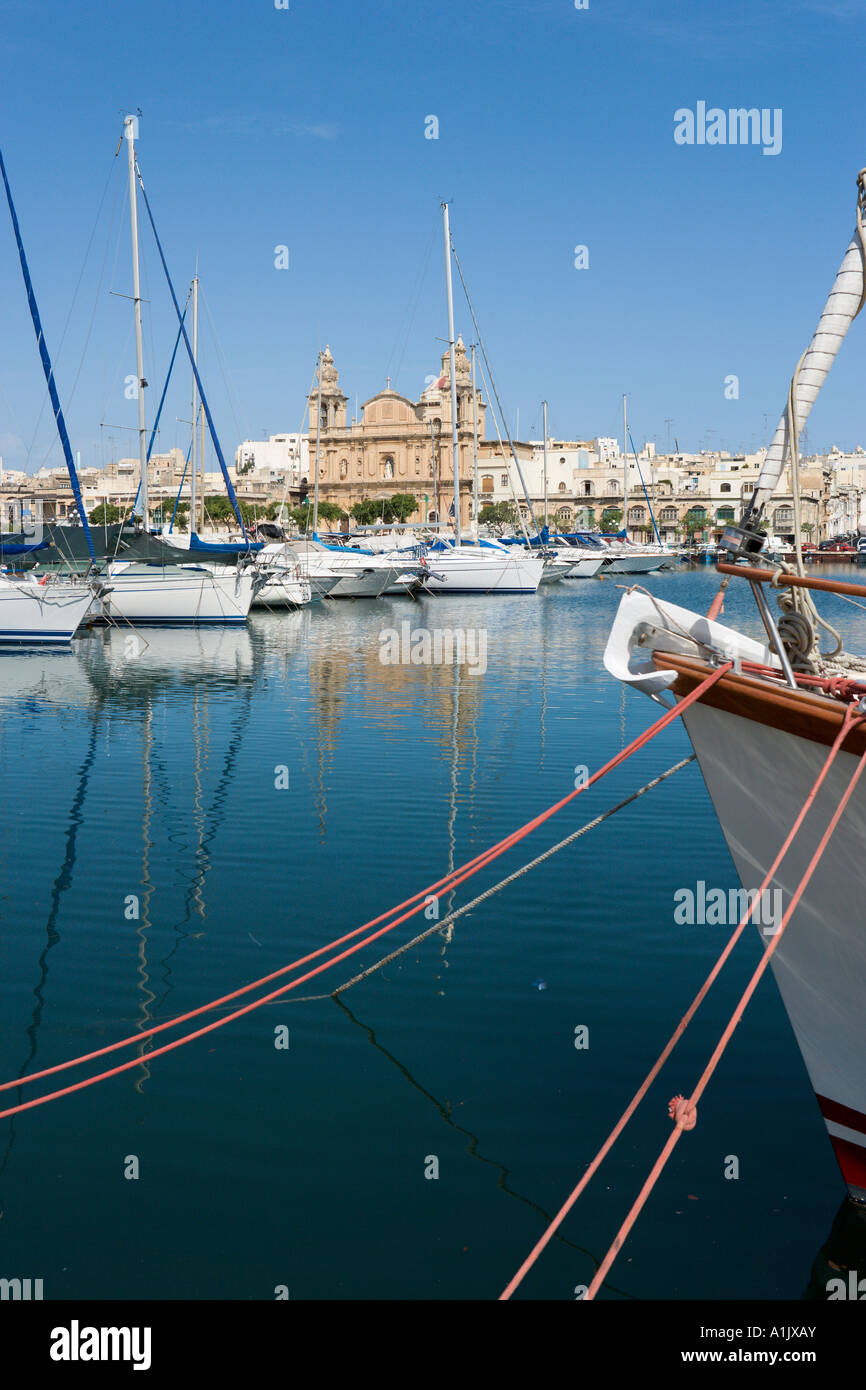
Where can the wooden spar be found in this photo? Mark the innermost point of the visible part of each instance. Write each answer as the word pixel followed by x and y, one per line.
pixel 791 581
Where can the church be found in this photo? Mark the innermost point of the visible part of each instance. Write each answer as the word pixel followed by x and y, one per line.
pixel 398 445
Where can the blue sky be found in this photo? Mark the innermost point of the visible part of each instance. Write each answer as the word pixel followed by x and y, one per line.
pixel 305 127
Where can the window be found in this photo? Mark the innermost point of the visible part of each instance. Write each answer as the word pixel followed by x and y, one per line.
pixel 487 482
pixel 726 487
pixel 562 458
pixel 637 514
pixel 783 516
pixel 587 489
pixel 668 514
pixel 612 485
pixel 503 481
pixel 563 514
pixel 562 488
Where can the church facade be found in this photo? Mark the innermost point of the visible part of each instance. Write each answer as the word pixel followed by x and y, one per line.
pixel 398 445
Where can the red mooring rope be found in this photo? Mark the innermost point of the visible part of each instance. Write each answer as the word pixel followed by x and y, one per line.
pixel 443 885
pixel 683 1111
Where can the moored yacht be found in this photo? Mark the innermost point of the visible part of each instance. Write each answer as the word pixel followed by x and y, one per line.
pixel 780 738
pixel 42 611
pixel 483 568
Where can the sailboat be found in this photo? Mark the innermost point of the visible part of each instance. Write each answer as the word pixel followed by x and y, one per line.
pixel 42 614
pixel 175 594
pixel 127 589
pixel 783 715
pixel 564 557
pixel 458 566
pixel 49 610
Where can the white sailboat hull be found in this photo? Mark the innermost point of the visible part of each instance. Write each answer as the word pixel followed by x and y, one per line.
pixel 351 574
pixel 365 583
pixel 758 778
pixel 636 564
pixel 283 591
pixel 183 596
pixel 585 568
pixel 760 748
pixel 484 572
pixel 44 614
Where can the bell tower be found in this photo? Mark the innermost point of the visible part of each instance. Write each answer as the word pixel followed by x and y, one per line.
pixel 333 400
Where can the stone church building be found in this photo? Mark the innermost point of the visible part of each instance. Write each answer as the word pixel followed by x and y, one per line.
pixel 399 445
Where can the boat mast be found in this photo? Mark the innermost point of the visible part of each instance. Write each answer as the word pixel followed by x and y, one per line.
pixel 318 436
pixel 129 132
pixel 544 413
pixel 625 464
pixel 201 448
pixel 193 520
pixel 47 367
pixel 474 448
pixel 452 365
pixel 435 471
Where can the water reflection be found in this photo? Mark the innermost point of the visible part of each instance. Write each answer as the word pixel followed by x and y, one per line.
pixel 101 674
pixel 472 1148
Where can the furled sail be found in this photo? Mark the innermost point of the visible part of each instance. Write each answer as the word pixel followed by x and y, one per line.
pixel 843 305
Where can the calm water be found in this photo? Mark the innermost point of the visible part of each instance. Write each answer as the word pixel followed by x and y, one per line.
pixel 153 775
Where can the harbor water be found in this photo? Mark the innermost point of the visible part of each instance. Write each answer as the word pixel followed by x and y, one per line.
pixel 184 812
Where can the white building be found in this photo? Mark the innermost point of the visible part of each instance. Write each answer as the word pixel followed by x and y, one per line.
pixel 282 459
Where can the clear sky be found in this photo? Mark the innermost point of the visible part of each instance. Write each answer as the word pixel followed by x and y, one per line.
pixel 305 127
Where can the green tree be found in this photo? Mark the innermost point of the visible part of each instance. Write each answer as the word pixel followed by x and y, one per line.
pixel 302 517
pixel 219 508
pixel 367 513
pixel 331 511
pixel 400 507
pixel 498 514
pixel 385 509
pixel 690 525
pixel 106 514
pixel 611 519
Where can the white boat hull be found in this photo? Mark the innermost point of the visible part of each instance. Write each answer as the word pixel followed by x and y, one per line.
pixel 369 582
pixel 758 778
pixel 636 564
pixel 175 597
pixel 283 591
pixel 43 614
pixel 352 576
pixel 484 572
pixel 760 749
pixel 586 568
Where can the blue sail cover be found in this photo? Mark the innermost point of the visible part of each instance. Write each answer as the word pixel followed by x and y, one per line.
pixel 214 549
pixel 17 549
